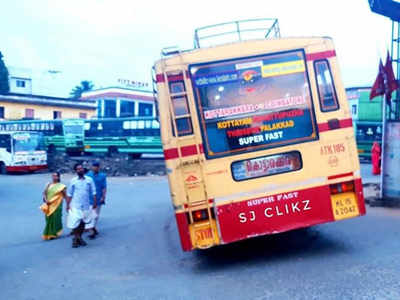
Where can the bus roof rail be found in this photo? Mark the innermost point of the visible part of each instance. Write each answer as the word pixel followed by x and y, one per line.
pixel 170 51
pixel 236 31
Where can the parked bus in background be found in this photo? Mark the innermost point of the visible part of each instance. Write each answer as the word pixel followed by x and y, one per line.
pixel 60 135
pixel 134 136
pixel 257 137
pixel 22 152
pixel 367 132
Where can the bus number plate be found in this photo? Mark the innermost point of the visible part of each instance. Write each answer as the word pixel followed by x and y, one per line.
pixel 344 206
pixel 204 235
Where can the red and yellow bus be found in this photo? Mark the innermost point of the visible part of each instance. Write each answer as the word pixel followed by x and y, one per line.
pixel 257 138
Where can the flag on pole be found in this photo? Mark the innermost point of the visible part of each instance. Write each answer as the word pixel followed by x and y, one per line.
pixel 391 83
pixel 378 89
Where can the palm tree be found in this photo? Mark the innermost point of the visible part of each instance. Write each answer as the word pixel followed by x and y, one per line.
pixel 77 91
pixel 4 85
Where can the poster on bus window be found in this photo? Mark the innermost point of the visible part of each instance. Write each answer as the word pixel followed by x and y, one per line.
pixel 253 103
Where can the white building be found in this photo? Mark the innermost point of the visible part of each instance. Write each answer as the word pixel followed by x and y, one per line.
pixel 20 80
pixel 39 82
pixel 122 102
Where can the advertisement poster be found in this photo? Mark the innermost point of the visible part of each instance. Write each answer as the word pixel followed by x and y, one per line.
pixel 254 103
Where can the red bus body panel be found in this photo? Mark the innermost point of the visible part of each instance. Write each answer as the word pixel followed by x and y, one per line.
pixel 25 168
pixel 272 214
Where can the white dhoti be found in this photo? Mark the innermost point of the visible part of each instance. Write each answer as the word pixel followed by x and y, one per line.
pixel 75 216
pixel 95 217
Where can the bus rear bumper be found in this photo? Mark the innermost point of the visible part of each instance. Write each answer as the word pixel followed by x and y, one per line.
pixel 288 211
pixel 279 213
pixel 25 168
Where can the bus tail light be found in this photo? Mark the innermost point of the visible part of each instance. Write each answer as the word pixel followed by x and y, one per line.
pixel 200 215
pixel 342 187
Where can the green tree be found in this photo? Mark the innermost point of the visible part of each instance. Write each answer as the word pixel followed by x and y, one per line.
pixel 4 85
pixel 79 89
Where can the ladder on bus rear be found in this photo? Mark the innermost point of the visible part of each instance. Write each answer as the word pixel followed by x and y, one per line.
pixel 191 169
pixel 196 195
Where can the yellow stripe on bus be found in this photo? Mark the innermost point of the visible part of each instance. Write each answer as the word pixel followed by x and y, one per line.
pixel 283 68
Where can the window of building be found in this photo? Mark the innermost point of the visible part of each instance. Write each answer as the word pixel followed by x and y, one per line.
pixel 29 113
pixel 145 109
pixel 127 108
pixel 56 114
pixel 1 112
pixel 20 83
pixel 82 115
pixel 110 109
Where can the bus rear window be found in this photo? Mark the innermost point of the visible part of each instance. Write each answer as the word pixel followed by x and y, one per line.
pixel 326 89
pixel 180 106
pixel 253 103
pixel 184 126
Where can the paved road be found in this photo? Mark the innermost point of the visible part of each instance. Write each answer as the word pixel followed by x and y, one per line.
pixel 138 255
pixel 366 174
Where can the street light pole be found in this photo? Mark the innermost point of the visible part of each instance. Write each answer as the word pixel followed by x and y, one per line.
pixel 383 144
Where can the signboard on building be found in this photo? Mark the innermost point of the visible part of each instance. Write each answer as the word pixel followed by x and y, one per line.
pixel 133 83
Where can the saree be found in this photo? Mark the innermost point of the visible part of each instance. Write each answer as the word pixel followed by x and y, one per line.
pixel 53 213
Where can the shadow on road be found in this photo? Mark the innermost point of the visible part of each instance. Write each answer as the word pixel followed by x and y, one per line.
pixel 295 244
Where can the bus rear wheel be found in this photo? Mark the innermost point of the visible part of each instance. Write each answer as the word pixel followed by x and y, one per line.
pixel 3 169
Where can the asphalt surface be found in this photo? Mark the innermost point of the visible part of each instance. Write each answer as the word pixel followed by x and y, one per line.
pixel 138 255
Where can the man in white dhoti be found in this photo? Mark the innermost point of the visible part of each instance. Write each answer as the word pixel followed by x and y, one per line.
pixel 79 193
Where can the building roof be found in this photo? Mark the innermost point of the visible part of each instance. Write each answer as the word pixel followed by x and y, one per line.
pixel 48 101
pixel 118 92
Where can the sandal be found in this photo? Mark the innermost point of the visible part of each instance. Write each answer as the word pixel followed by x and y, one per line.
pixel 75 243
pixel 82 242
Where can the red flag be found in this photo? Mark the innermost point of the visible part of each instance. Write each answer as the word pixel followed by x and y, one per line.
pixel 378 89
pixel 391 83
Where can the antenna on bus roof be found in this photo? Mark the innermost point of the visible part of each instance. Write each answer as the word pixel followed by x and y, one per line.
pixel 236 31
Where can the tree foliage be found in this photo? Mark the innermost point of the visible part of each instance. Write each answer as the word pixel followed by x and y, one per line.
pixel 77 91
pixel 4 84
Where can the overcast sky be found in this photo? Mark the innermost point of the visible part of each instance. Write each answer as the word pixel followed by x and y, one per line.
pixel 103 40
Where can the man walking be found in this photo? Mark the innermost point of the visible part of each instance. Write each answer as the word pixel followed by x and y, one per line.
pixel 81 191
pixel 100 181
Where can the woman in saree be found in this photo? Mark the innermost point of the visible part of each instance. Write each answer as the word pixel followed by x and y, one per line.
pixel 53 196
